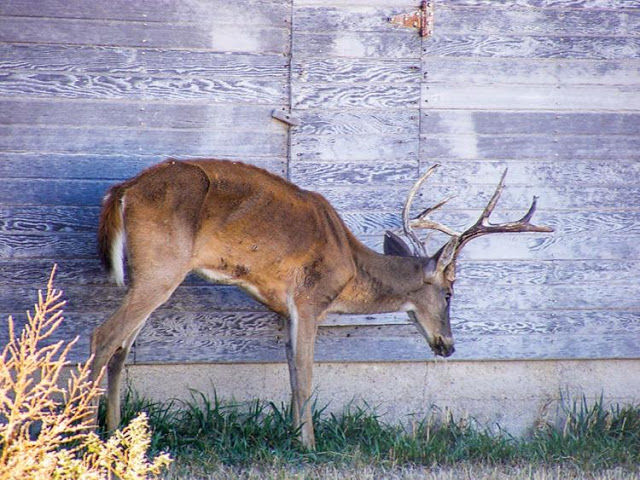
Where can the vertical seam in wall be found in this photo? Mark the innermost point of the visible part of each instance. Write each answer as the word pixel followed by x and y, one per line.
pixel 290 80
pixel 421 100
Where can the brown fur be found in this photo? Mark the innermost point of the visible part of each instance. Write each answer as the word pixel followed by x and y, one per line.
pixel 288 247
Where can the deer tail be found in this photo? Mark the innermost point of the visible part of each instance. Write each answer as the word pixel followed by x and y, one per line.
pixel 111 237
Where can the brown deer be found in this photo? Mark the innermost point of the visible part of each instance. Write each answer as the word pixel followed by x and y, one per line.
pixel 240 225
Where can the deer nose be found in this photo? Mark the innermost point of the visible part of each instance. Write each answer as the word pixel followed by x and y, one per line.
pixel 443 347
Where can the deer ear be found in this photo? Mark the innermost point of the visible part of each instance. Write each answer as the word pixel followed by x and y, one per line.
pixel 394 245
pixel 446 255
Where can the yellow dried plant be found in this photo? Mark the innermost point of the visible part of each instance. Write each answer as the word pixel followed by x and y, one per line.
pixel 46 428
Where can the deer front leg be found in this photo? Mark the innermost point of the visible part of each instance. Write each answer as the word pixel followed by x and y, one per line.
pixel 300 350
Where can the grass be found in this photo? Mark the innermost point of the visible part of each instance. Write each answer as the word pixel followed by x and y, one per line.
pixel 210 438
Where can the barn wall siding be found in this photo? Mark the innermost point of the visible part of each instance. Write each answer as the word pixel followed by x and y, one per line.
pixel 91 94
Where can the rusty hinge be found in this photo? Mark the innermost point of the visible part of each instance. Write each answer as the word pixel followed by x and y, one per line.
pixel 421 19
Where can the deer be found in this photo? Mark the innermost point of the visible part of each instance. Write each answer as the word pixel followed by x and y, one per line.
pixel 237 224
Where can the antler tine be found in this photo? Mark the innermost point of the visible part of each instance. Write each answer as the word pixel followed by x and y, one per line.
pixel 484 227
pixel 421 221
pixel 488 210
pixel 418 246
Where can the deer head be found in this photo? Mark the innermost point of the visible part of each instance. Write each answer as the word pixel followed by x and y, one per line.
pixel 428 307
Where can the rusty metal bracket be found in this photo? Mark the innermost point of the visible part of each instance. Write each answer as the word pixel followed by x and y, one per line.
pixel 421 19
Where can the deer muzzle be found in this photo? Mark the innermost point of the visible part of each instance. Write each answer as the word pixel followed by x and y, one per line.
pixel 442 346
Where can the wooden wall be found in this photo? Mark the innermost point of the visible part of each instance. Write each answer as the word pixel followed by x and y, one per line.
pixel 91 92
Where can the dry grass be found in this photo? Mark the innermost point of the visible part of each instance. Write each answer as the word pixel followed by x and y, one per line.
pixel 46 428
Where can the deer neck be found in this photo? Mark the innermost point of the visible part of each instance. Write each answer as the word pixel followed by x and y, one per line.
pixel 381 283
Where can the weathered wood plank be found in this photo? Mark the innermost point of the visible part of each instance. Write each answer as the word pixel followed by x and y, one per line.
pixel 95 140
pixel 345 17
pixel 141 114
pixel 264 12
pixel 351 349
pixel 354 148
pixel 373 173
pixel 369 121
pixel 141 61
pixel 31 272
pixel 562 4
pixel 461 20
pixel 54 246
pixel 393 44
pixel 48 219
pixel 213 90
pixel 355 70
pixel 53 192
pixel 355 96
pixel 217 37
pixel 464 172
pixel 164 326
pixel 531 97
pixel 539 123
pixel 72 326
pixel 543 147
pixel 104 167
pixel 529 72
pixel 533 47
pixel 557 272
pixel 557 22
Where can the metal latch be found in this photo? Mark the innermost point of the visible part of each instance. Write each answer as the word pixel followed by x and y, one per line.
pixel 285 116
pixel 421 19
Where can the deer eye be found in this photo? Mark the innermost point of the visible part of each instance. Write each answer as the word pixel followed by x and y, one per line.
pixel 447 296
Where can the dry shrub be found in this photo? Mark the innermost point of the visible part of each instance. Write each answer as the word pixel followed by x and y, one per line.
pixel 46 428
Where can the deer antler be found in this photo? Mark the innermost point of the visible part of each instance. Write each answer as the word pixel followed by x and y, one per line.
pixel 484 227
pixel 481 227
pixel 421 221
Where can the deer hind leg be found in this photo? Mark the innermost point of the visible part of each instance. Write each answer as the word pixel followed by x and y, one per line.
pixel 111 341
pixel 300 350
pixel 114 379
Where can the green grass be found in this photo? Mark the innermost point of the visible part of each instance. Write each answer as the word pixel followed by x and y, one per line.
pixel 206 435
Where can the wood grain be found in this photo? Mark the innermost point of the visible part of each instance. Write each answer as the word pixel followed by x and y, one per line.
pixel 72 86
pixel 140 61
pixel 349 122
pixel 354 148
pixel 165 143
pixel 356 70
pixel 356 96
pixel 533 47
pixel 565 21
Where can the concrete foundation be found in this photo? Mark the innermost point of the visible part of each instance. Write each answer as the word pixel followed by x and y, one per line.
pixel 511 395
